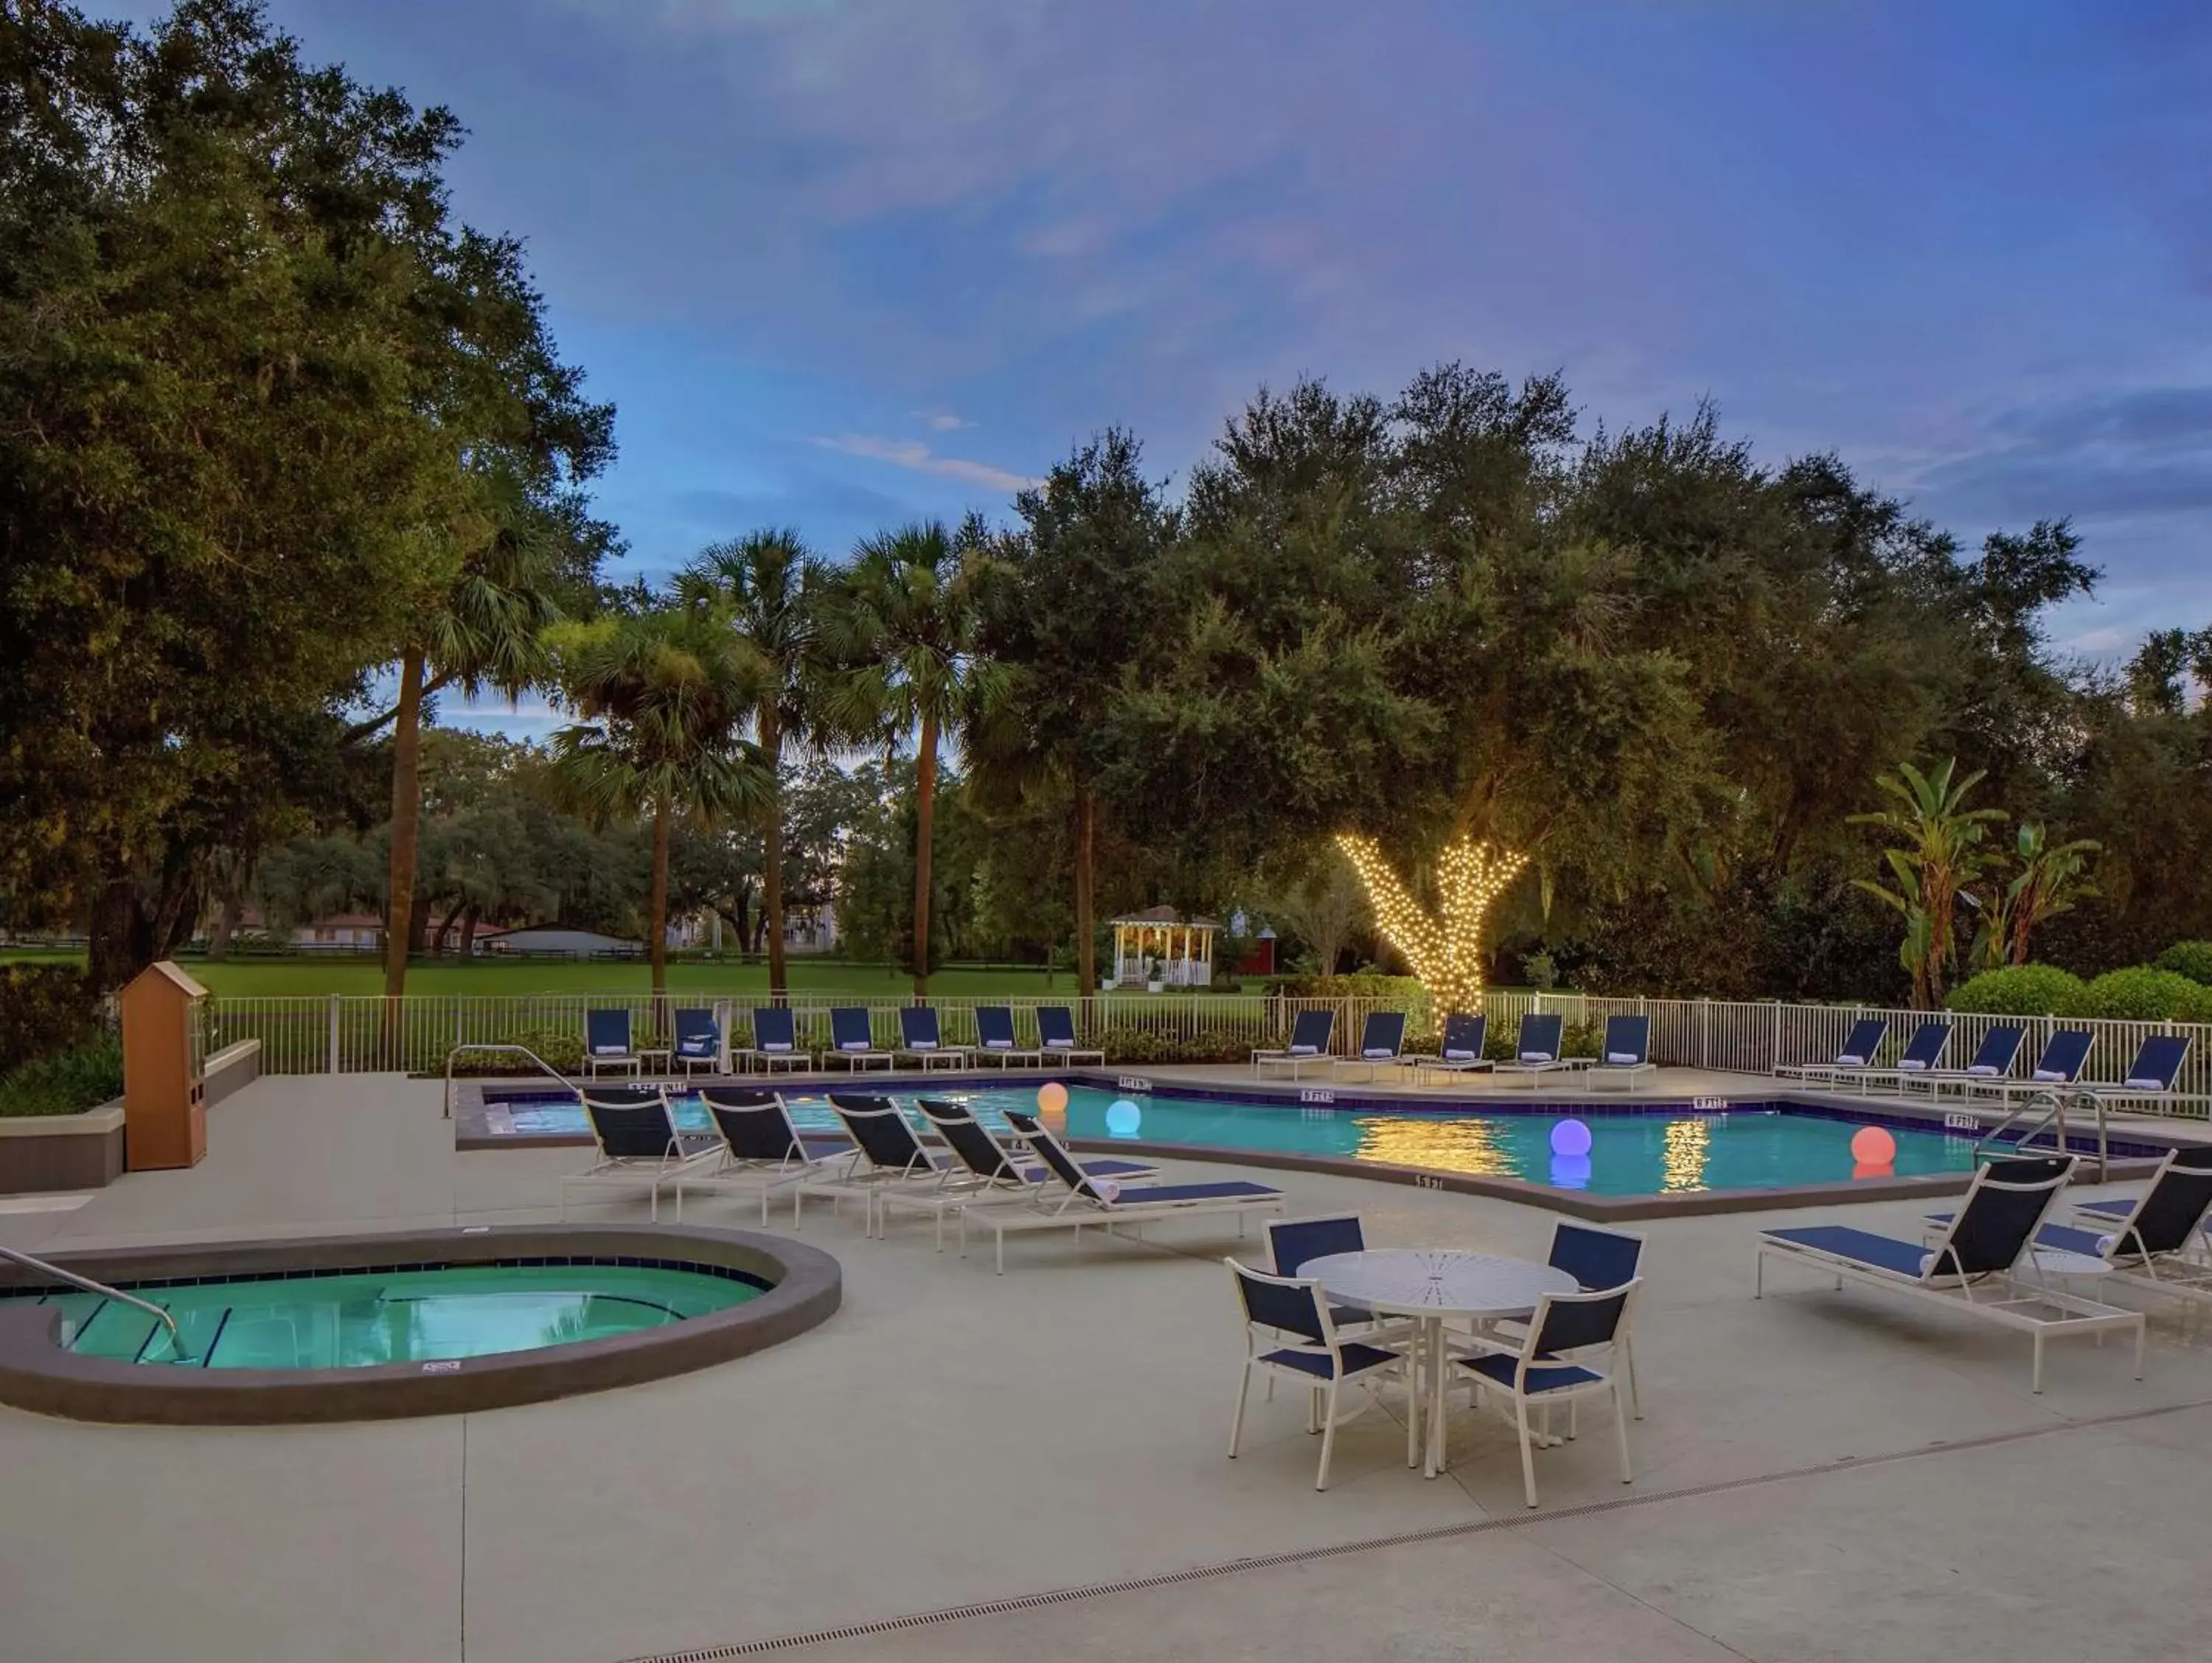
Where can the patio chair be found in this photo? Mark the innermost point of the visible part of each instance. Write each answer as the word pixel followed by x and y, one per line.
pixel 1288 1332
pixel 1599 1260
pixel 1294 1243
pixel 1575 1347
pixel 634 1130
pixel 851 1040
pixel 994 1036
pixel 1310 1034
pixel 607 1042
pixel 1076 1200
pixel 1382 1044
pixel 761 1150
pixel 1537 1049
pixel 775 1041
pixel 1971 1267
pixel 1921 1052
pixel 1993 1060
pixel 2064 1056
pixel 1056 1037
pixel 1460 1051
pixel 919 1039
pixel 698 1042
pixel 2153 1076
pixel 1855 1058
pixel 1626 1053
pixel 987 1167
pixel 888 1151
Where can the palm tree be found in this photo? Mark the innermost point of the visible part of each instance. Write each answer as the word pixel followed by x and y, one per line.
pixel 663 694
pixel 769 588
pixel 910 615
pixel 1943 852
pixel 2051 878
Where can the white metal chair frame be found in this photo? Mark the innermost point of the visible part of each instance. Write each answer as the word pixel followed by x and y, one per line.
pixel 637 1171
pixel 1530 1358
pixel 1263 1342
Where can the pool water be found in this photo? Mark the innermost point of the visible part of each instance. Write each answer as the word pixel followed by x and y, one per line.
pixel 361 1319
pixel 1653 1151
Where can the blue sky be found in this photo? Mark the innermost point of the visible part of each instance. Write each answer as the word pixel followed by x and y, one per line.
pixel 841 262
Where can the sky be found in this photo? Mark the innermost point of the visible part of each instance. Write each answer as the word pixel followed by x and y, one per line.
pixel 841 264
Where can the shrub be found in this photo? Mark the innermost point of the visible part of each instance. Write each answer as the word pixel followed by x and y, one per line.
pixel 44 1010
pixel 1404 989
pixel 2192 959
pixel 561 1048
pixel 2139 994
pixel 68 1083
pixel 1139 1045
pixel 2018 990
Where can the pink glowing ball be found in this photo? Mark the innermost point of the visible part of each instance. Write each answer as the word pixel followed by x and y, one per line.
pixel 1873 1146
pixel 1052 1097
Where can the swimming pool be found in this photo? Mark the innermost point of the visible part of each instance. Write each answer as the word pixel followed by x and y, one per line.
pixel 1643 1149
pixel 361 1319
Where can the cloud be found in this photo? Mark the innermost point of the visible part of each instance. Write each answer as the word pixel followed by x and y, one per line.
pixel 912 453
pixel 942 420
pixel 2144 452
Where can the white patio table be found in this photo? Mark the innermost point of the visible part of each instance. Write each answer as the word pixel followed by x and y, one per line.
pixel 1433 1286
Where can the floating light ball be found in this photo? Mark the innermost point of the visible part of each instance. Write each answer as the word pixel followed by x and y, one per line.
pixel 1123 1118
pixel 1052 1097
pixel 1570 1137
pixel 1570 1171
pixel 1873 1146
pixel 1882 1169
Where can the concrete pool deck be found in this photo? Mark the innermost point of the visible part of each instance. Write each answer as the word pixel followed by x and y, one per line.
pixel 1819 1475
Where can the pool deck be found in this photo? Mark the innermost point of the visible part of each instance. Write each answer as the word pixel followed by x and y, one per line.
pixel 1821 1476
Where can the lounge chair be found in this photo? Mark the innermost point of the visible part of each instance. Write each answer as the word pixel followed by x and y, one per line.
pixel 638 1146
pixel 775 1041
pixel 1971 1267
pixel 1922 1052
pixel 2063 1054
pixel 1575 1347
pixel 1382 1044
pixel 995 1037
pixel 1460 1052
pixel 607 1042
pixel 1993 1060
pixel 1537 1049
pixel 986 1169
pixel 2152 1077
pixel 1310 1040
pixel 1855 1057
pixel 888 1151
pixel 2153 1241
pixel 1076 1200
pixel 919 1039
pixel 761 1149
pixel 1626 1053
pixel 698 1042
pixel 851 1041
pixel 1288 1333
pixel 1056 1037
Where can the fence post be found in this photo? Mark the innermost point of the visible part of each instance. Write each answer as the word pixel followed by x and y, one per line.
pixel 1705 1033
pixel 1774 1042
pixel 722 1011
pixel 335 1021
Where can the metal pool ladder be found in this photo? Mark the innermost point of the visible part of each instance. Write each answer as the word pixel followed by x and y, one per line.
pixel 86 1285
pixel 545 1067
pixel 2054 1120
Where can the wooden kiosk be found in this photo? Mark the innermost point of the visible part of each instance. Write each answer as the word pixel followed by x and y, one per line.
pixel 164 1088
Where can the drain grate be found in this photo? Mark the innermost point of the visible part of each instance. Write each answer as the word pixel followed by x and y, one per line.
pixel 1376 1544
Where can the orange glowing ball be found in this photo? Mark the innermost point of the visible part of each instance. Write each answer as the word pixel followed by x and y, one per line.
pixel 1052 1097
pixel 1884 1170
pixel 1873 1146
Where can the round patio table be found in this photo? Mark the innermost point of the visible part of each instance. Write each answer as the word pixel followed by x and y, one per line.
pixel 1432 1284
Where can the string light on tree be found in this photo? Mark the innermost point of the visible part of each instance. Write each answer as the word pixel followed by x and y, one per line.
pixel 1445 947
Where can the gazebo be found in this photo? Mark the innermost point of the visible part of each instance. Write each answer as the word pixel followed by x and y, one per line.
pixel 1184 947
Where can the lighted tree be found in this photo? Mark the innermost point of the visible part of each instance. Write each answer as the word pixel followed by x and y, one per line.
pixel 1444 947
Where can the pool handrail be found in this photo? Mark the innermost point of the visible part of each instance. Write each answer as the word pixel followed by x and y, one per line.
pixel 558 1077
pixel 86 1285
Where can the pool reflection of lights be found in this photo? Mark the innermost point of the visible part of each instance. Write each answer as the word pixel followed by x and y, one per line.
pixel 1689 1141
pixel 1441 1145
pixel 1570 1171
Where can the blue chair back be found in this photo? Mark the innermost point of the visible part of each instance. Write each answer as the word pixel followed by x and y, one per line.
pixel 1293 1243
pixel 607 1033
pixel 881 1131
pixel 1571 1322
pixel 1597 1260
pixel 1280 1302
pixel 1864 1040
pixel 1464 1037
pixel 1628 1038
pixel 2001 1212
pixel 2063 1054
pixel 775 1029
pixel 918 1027
pixel 1046 1147
pixel 1056 1026
pixel 1925 1049
pixel 697 1034
pixel 994 1027
pixel 1311 1030
pixel 1998 1049
pixel 2157 1062
pixel 631 1126
pixel 754 1125
pixel 2173 1208
pixel 1384 1035
pixel 1539 1038
pixel 848 1029
pixel 964 1136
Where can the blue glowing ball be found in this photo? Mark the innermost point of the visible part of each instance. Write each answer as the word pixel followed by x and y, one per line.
pixel 1570 1171
pixel 1570 1137
pixel 1123 1118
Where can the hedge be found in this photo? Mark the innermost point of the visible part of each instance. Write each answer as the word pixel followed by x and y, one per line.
pixel 2192 959
pixel 2019 989
pixel 44 1010
pixel 67 1082
pixel 2141 995
pixel 1403 989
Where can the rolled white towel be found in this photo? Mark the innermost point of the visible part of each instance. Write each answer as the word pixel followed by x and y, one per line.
pixel 1910 1064
pixel 1106 1190
pixel 1378 1051
pixel 2146 1085
pixel 775 1045
pixel 2104 1244
pixel 856 1044
pixel 1455 1056
pixel 1983 1070
pixel 1537 1057
pixel 1628 1057
pixel 611 1051
pixel 2046 1075
pixel 1847 1060
pixel 1305 1051
pixel 922 1045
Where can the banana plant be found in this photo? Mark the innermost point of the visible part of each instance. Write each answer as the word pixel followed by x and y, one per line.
pixel 1944 853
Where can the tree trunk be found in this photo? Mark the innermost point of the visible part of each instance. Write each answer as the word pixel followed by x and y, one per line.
pixel 438 936
pixel 120 941
pixel 406 830
pixel 656 945
pixel 1087 879
pixel 226 926
pixel 925 814
pixel 779 973
pixel 468 933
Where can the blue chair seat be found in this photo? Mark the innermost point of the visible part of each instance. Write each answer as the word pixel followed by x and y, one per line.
pixel 1501 1370
pixel 1357 1360
pixel 1884 1253
pixel 1222 1192
pixel 1350 1314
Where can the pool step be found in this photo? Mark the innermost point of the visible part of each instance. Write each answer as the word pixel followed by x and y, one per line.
pixel 99 1327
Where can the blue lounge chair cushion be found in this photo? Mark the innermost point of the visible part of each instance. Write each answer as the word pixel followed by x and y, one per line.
pixel 1358 1359
pixel 1222 1192
pixel 1883 1252
pixel 2120 1208
pixel 1542 1377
